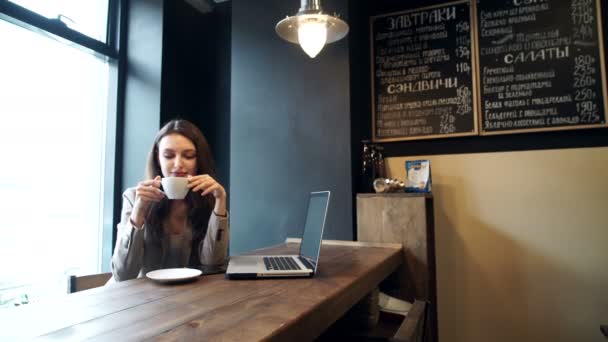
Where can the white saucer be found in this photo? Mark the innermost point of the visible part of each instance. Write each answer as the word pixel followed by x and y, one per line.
pixel 173 274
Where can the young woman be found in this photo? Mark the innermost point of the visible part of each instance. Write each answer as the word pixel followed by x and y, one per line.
pixel 155 232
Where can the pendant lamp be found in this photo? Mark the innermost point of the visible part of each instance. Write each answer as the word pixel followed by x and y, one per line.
pixel 311 28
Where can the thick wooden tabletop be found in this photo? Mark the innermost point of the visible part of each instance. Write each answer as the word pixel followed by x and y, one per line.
pixel 212 307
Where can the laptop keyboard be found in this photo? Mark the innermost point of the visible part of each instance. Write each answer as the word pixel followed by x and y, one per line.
pixel 280 263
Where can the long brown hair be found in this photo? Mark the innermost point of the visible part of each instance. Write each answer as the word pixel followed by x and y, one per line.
pixel 200 207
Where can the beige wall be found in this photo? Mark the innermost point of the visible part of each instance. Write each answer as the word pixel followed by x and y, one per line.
pixel 522 244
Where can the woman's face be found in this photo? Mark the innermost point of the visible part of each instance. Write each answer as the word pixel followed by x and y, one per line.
pixel 177 156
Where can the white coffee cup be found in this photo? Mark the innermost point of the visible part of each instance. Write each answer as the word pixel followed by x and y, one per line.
pixel 175 187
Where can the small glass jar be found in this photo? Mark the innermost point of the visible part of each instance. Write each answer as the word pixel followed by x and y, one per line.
pixel 383 185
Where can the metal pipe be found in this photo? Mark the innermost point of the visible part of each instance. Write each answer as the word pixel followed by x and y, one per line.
pixel 310 5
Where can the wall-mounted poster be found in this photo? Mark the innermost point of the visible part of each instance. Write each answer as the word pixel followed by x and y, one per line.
pixel 423 75
pixel 541 65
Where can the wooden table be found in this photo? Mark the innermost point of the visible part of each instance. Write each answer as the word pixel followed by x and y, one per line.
pixel 212 307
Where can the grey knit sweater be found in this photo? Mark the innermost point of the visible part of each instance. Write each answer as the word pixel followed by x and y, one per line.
pixel 135 253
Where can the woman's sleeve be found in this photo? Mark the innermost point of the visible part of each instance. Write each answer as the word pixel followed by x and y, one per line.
pixel 128 254
pixel 213 249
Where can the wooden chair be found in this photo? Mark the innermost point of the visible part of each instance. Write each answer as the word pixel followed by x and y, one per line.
pixel 413 326
pixel 86 282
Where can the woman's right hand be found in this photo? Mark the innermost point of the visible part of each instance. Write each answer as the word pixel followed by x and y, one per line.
pixel 146 193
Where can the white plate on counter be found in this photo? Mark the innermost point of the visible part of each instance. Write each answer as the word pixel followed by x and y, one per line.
pixel 169 275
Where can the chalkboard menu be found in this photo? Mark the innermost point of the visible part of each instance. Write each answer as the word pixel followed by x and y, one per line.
pixel 422 73
pixel 541 65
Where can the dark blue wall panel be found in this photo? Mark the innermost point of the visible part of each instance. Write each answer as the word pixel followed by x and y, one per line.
pixel 290 128
pixel 196 75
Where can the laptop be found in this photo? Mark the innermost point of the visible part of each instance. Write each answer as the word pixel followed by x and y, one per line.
pixel 302 265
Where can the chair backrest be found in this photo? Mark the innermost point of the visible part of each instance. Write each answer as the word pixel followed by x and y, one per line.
pixel 413 326
pixel 86 282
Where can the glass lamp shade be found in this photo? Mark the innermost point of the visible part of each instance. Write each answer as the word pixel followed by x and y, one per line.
pixel 312 34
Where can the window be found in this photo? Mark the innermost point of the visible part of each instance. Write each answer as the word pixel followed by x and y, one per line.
pixel 87 17
pixel 57 111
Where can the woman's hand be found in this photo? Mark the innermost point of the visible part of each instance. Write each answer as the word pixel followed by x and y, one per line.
pixel 207 185
pixel 146 193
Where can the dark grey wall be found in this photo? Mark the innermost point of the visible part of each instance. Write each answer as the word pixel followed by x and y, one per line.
pixel 290 128
pixel 139 98
pixel 143 87
pixel 196 74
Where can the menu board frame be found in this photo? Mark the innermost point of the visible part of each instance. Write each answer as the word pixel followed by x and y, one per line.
pixel 473 65
pixel 602 66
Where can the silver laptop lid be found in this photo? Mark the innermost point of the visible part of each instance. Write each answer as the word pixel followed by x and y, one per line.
pixel 310 247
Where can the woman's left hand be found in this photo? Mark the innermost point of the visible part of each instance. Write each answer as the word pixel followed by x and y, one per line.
pixel 207 185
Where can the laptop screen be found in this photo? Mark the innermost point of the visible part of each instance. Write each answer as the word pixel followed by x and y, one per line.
pixel 313 228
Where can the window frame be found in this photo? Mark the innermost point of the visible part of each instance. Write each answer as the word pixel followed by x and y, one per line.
pixel 33 21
